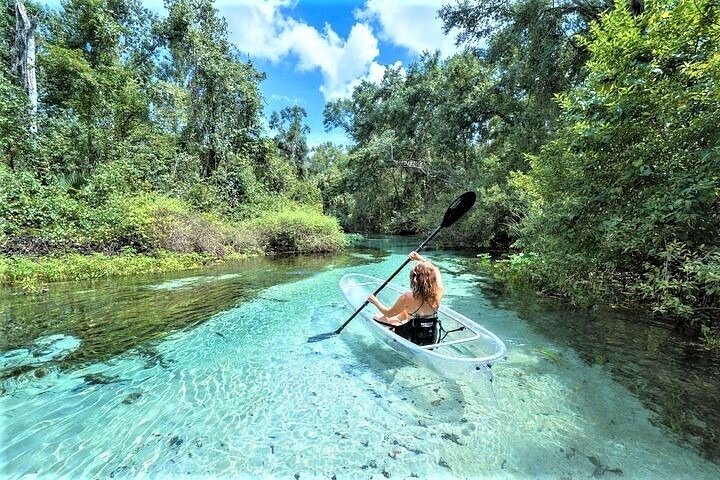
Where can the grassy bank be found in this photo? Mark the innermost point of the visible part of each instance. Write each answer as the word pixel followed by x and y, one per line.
pixel 49 233
pixel 281 232
pixel 32 274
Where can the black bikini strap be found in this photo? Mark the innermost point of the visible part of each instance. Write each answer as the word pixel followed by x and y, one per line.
pixel 417 309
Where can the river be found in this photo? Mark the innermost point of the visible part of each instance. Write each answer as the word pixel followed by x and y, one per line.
pixel 209 374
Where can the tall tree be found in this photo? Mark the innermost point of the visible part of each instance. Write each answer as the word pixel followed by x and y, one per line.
pixel 534 52
pixel 224 100
pixel 291 137
pixel 23 54
pixel 89 71
pixel 629 189
pixel 15 122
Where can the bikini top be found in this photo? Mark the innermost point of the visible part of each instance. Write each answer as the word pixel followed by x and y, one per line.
pixel 429 316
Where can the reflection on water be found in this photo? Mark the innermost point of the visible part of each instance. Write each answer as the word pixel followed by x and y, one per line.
pixel 209 375
pixel 111 316
pixel 675 378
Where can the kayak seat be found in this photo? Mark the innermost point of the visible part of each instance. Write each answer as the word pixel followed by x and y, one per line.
pixel 420 330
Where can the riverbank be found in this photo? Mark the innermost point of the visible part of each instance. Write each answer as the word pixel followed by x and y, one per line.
pixel 153 234
pixel 600 290
pixel 31 274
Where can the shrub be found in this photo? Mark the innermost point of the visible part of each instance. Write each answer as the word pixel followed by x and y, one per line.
pixel 297 229
pixel 684 284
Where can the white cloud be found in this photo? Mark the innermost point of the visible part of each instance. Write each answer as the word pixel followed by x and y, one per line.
pixel 263 30
pixel 376 72
pixel 412 24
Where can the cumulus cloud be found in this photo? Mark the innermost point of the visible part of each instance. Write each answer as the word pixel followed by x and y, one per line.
pixel 411 24
pixel 265 30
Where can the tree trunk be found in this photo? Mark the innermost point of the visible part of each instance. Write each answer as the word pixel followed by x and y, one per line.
pixel 24 59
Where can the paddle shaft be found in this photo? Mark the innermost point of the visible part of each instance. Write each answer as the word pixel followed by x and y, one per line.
pixel 407 260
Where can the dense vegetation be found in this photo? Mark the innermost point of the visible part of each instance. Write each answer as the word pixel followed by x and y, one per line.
pixel 588 128
pixel 148 139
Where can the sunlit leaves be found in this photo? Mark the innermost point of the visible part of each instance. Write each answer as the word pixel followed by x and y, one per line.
pixel 634 168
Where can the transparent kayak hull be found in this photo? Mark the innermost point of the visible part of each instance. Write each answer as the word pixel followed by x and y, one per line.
pixel 465 349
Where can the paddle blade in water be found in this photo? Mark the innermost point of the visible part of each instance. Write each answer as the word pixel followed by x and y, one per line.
pixel 322 336
pixel 458 208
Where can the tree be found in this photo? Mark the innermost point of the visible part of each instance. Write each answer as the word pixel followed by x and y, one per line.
pixel 224 101
pixel 16 122
pixel 90 74
pixel 23 53
pixel 291 138
pixel 328 167
pixel 629 188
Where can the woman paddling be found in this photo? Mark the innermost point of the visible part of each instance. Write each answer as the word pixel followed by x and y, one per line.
pixel 414 314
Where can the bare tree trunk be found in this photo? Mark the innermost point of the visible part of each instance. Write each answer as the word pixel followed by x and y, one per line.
pixel 24 59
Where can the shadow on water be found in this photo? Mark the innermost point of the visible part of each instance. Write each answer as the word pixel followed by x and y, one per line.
pixel 77 323
pixel 675 378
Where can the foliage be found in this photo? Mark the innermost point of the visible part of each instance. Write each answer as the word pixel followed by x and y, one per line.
pixel 683 283
pixel 424 134
pixel 291 138
pixel 296 229
pixel 149 139
pixel 630 184
pixel 32 274
pixel 328 167
pixel 71 215
pixel 589 130
pixel 480 20
pixel 15 145
pixel 223 97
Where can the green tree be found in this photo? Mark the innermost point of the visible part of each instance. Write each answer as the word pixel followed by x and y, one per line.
pixel 89 74
pixel 291 138
pixel 223 97
pixel 328 167
pixel 630 188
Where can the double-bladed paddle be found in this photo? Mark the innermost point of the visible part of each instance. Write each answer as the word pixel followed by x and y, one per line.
pixel 457 209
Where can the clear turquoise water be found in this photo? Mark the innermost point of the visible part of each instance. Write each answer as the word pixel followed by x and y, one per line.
pixel 238 392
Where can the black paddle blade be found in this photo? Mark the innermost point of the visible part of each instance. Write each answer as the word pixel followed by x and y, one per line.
pixel 322 336
pixel 458 208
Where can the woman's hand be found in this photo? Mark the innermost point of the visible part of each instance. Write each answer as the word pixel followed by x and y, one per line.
pixel 373 300
pixel 416 256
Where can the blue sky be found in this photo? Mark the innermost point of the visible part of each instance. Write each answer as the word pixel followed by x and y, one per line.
pixel 313 51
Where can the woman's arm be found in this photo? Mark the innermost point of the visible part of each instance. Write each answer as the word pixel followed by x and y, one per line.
pixel 398 307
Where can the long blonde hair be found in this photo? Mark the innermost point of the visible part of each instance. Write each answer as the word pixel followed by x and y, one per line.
pixel 426 283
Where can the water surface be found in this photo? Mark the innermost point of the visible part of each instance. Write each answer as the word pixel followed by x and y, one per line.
pixel 209 374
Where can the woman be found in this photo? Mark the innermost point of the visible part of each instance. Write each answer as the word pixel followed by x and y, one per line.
pixel 414 314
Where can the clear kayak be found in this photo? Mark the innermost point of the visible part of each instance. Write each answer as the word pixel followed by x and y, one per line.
pixel 464 349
